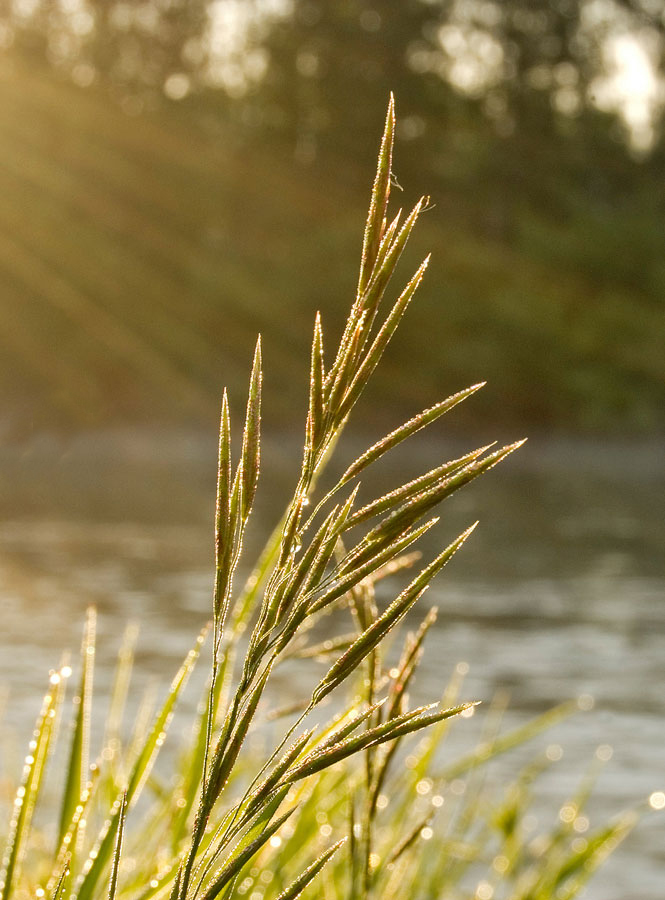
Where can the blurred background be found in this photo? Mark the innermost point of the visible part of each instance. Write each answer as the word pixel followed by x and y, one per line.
pixel 177 175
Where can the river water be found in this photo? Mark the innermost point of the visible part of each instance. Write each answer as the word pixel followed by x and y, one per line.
pixel 559 593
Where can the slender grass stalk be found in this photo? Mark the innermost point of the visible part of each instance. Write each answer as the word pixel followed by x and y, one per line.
pixel 77 769
pixel 115 862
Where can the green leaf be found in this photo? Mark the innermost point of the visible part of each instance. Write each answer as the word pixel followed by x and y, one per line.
pixel 102 851
pixel 408 723
pixel 424 418
pixel 316 394
pixel 381 341
pixel 241 856
pixel 384 271
pixel 60 884
pixel 224 537
pixel 30 787
pixel 251 441
pixel 195 767
pixel 115 862
pixel 356 574
pixel 408 664
pixel 420 504
pixel 379 202
pixel 386 621
pixel 231 741
pixel 298 886
pixel 77 769
pixel 411 488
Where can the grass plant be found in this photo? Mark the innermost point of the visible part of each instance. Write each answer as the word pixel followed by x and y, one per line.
pixel 350 795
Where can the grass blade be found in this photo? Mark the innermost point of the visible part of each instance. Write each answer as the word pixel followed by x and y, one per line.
pixel 298 886
pixel 424 418
pixel 237 861
pixel 72 839
pixel 161 724
pixel 101 853
pixel 195 770
pixel 223 525
pixel 358 573
pixel 30 787
pixel 383 273
pixel 119 690
pixel 231 742
pixel 503 743
pixel 407 723
pixel 326 648
pixel 420 504
pixel 379 345
pixel 77 768
pixel 316 413
pixel 379 201
pixel 251 441
pixel 386 621
pixel 60 884
pixel 115 863
pixel 408 664
pixel 403 493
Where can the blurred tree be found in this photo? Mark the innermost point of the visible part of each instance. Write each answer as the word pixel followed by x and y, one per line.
pixel 309 69
pixel 534 122
pixel 485 86
pixel 509 104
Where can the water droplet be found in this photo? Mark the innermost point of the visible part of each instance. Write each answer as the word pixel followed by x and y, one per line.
pixel 484 891
pixel 424 786
pixel 567 813
pixel 657 800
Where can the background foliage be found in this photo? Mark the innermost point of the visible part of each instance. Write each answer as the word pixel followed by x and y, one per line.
pixel 173 174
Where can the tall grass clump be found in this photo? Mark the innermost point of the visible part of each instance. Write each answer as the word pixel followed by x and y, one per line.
pixel 349 794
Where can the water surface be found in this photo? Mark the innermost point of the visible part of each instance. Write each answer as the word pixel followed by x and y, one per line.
pixel 559 593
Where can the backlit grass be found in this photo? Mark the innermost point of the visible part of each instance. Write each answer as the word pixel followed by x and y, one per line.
pixel 350 793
